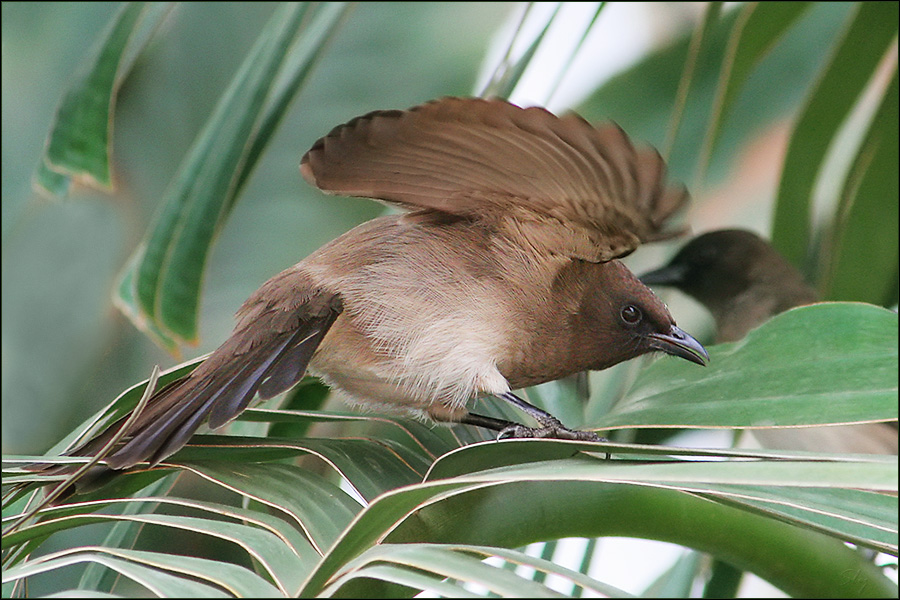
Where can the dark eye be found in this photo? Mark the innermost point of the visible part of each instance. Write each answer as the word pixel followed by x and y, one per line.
pixel 631 314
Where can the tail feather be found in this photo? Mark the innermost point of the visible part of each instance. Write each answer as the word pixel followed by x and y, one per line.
pixel 271 362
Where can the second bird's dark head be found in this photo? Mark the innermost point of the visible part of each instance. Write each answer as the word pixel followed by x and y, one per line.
pixel 719 264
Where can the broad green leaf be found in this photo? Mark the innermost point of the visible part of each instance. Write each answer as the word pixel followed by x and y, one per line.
pixel 825 363
pixel 566 508
pixel 871 33
pixel 864 251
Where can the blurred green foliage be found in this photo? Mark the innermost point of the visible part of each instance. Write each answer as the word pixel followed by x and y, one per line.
pixel 67 351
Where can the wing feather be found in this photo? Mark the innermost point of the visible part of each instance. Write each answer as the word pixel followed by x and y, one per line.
pixel 572 187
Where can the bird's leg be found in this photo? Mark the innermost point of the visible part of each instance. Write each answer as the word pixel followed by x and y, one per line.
pixel 551 427
pixel 487 422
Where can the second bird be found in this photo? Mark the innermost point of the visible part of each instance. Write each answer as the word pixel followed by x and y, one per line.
pixel 743 281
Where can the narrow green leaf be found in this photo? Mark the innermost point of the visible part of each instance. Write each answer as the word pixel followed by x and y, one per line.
pixel 273 554
pixel 873 30
pixel 170 270
pixel 879 476
pixel 123 535
pixel 503 453
pixel 369 466
pixel 464 563
pixel 507 74
pixel 79 144
pixel 867 519
pixel 562 71
pixel 157 582
pixel 446 562
pixel 125 299
pixel 321 509
pixel 49 182
pixel 825 363
pixel 724 580
pixel 298 64
pixel 475 509
pixel 122 405
pixel 641 99
pixel 864 253
pixel 757 29
pixel 398 576
pixel 367 528
pixel 233 579
pixel 677 581
pixel 827 497
pixel 699 40
pixel 121 510
pixel 819 495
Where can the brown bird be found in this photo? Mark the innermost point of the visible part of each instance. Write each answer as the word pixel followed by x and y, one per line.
pixel 743 281
pixel 501 275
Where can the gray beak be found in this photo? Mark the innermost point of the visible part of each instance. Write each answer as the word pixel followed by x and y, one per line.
pixel 678 343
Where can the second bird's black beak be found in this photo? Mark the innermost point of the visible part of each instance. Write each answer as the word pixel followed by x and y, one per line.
pixel 678 343
pixel 668 275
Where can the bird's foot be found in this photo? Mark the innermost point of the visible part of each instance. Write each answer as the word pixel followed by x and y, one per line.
pixel 557 431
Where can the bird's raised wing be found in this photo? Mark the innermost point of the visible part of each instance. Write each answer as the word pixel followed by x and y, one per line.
pixel 569 187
